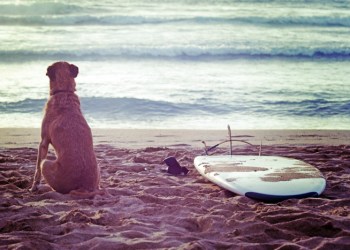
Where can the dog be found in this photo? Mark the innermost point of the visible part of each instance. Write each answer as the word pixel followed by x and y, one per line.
pixel 75 169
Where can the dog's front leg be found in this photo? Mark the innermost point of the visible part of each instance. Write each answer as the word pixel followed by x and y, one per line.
pixel 42 153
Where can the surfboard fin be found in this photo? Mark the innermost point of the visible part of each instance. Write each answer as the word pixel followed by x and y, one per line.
pixel 230 138
pixel 174 167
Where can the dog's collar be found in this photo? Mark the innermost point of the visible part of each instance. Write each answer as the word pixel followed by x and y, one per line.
pixel 61 91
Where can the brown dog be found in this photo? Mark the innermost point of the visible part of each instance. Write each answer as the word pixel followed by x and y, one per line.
pixel 65 128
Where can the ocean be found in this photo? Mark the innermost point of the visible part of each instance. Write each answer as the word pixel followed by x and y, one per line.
pixel 181 64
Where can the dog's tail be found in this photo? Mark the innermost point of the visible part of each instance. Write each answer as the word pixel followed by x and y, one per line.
pixel 85 194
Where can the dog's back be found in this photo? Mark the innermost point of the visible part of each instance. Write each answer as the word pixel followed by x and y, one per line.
pixel 71 138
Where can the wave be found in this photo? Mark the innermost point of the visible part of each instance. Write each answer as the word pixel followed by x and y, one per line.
pixel 177 52
pixel 84 19
pixel 66 14
pixel 39 8
pixel 342 21
pixel 314 107
pixel 25 106
pixel 75 20
pixel 141 109
pixel 120 107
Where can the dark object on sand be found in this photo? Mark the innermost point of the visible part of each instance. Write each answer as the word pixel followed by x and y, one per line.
pixel 174 167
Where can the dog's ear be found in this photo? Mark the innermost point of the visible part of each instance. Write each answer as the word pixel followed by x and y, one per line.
pixel 74 70
pixel 51 72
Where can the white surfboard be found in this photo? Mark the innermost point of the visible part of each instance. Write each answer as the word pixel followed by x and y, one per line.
pixel 268 178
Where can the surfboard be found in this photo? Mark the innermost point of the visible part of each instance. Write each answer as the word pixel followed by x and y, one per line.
pixel 266 178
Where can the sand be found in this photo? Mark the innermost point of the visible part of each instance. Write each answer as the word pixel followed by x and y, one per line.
pixel 145 208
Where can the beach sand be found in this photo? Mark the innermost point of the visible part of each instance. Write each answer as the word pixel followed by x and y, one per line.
pixel 145 208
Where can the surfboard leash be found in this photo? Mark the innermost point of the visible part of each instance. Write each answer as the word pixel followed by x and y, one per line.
pixel 230 140
pixel 208 149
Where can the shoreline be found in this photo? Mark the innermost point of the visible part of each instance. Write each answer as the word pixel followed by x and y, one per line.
pixel 141 138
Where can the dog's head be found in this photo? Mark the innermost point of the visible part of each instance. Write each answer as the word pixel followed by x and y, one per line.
pixel 62 76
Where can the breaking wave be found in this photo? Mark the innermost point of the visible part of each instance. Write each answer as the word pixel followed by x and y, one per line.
pixel 84 19
pixel 58 13
pixel 177 52
pixel 139 109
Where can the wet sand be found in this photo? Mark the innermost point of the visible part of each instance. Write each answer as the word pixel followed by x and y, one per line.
pixel 145 208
